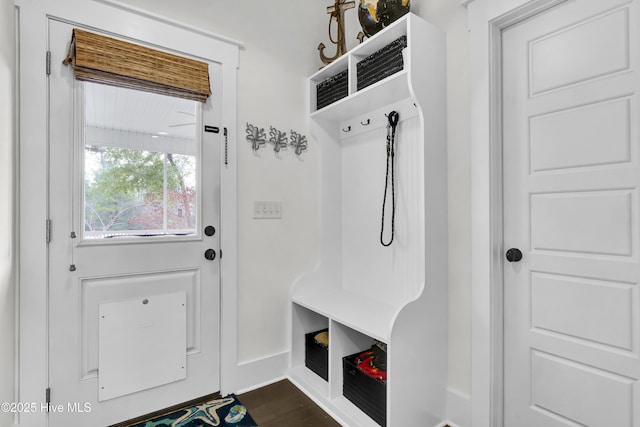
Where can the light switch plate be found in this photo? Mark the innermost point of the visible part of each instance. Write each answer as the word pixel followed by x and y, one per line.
pixel 267 210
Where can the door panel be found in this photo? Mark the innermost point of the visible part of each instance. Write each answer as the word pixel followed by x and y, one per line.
pixel 601 311
pixel 554 394
pixel 560 58
pixel 570 189
pixel 593 135
pixel 135 304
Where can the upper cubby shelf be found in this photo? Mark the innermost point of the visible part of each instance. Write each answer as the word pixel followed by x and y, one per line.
pixel 388 90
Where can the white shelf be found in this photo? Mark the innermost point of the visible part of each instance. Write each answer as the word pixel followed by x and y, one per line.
pixel 311 380
pixel 371 45
pixel 343 404
pixel 366 315
pixel 387 91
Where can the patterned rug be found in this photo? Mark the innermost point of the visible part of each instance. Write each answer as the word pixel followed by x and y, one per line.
pixel 225 412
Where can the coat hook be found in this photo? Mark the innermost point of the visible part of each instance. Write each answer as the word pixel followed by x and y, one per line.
pixel 367 123
pixel 278 139
pixel 298 141
pixel 348 129
pixel 256 136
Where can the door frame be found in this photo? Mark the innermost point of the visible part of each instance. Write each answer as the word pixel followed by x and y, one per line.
pixel 487 19
pixel 112 17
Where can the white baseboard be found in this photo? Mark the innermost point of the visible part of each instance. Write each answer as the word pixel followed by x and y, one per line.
pixel 257 386
pixel 259 372
pixel 458 408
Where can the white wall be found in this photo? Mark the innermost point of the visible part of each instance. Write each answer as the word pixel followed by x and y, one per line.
pixel 280 39
pixel 450 16
pixel 7 249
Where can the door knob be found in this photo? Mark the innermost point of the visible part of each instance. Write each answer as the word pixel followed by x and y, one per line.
pixel 209 230
pixel 210 254
pixel 513 255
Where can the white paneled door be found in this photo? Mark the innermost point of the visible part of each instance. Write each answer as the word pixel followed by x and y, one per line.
pixel 571 175
pixel 134 199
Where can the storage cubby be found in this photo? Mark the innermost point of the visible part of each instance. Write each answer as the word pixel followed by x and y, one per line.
pixel 362 290
pixel 304 322
pixel 367 393
pixel 316 354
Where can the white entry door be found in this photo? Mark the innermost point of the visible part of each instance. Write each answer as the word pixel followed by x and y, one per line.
pixel 571 175
pixel 134 304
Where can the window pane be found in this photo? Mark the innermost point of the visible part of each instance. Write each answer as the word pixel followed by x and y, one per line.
pixel 139 164
pixel 181 192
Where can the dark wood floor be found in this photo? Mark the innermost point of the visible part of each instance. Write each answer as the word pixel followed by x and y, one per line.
pixel 282 405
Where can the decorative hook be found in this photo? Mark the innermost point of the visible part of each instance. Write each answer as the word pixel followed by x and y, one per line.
pixel 256 136
pixel 348 129
pixel 367 123
pixel 278 139
pixel 299 142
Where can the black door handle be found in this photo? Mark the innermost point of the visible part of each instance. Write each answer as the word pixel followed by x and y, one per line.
pixel 210 254
pixel 513 255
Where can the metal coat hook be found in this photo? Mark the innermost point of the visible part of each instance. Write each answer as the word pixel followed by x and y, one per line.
pixel 256 136
pixel 278 139
pixel 298 141
pixel 348 129
pixel 367 123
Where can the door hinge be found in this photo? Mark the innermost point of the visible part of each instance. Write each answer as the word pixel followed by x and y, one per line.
pixel 48 397
pixel 48 62
pixel 220 253
pixel 48 231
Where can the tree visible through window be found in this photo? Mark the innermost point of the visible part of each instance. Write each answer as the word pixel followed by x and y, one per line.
pixel 131 189
pixel 127 191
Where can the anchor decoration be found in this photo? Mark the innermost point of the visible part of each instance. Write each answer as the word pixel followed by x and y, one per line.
pixel 256 136
pixel 298 141
pixel 336 12
pixel 278 139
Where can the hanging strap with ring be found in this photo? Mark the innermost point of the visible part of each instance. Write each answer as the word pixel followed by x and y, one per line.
pixel 392 123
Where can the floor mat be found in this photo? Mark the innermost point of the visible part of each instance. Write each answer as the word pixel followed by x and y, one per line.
pixel 225 412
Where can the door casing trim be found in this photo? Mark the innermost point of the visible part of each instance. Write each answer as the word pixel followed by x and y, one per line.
pixel 487 20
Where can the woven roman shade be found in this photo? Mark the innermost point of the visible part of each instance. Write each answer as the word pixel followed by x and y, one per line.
pixel 100 59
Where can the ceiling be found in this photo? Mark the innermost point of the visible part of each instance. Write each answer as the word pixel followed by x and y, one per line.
pixel 110 107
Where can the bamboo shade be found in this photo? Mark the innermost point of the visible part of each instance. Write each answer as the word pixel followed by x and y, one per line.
pixel 102 59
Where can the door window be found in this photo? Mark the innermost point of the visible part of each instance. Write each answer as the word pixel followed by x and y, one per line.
pixel 141 159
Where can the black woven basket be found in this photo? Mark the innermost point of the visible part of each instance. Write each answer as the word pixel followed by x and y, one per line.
pixel 367 393
pixel 332 89
pixel 382 63
pixel 316 355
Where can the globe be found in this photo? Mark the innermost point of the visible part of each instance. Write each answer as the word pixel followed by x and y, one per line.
pixel 374 15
